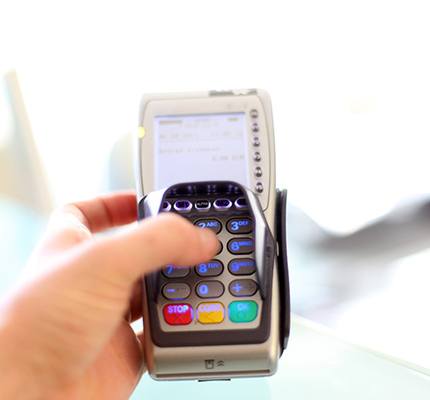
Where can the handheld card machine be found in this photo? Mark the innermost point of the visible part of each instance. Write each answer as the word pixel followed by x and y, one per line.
pixel 209 157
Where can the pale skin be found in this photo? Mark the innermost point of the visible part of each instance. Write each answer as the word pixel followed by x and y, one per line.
pixel 65 330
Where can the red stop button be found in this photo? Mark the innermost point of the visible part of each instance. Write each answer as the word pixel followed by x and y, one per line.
pixel 178 314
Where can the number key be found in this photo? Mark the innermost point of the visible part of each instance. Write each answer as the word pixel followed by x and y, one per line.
pixel 242 266
pixel 211 268
pixel 171 271
pixel 210 289
pixel 239 225
pixel 241 246
pixel 212 224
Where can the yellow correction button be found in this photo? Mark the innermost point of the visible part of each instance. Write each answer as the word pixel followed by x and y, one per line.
pixel 210 313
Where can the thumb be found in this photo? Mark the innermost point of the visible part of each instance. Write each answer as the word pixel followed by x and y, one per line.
pixel 155 242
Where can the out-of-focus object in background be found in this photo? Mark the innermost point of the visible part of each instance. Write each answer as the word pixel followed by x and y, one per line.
pixel 119 169
pixel 22 176
pixel 20 229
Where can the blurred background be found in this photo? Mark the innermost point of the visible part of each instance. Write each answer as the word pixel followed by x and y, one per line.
pixel 350 87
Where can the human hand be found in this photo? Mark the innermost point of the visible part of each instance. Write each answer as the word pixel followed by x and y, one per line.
pixel 63 331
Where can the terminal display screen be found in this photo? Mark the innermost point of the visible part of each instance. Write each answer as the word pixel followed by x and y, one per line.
pixel 200 147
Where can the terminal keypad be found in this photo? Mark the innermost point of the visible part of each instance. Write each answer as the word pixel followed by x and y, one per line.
pixel 221 293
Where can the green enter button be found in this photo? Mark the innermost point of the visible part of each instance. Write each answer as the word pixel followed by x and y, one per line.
pixel 242 311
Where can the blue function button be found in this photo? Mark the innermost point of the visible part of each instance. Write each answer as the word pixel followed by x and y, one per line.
pixel 241 202
pixel 166 206
pixel 210 289
pixel 212 224
pixel 211 268
pixel 171 271
pixel 176 291
pixel 202 205
pixel 182 206
pixel 222 204
pixel 240 225
pixel 243 311
pixel 241 246
pixel 242 266
pixel 243 287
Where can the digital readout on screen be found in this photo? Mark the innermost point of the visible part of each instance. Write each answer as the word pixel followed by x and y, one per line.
pixel 200 147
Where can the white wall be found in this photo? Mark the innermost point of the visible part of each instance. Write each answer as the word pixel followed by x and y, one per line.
pixel 349 81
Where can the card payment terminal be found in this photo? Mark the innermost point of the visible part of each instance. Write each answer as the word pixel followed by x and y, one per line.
pixel 210 157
